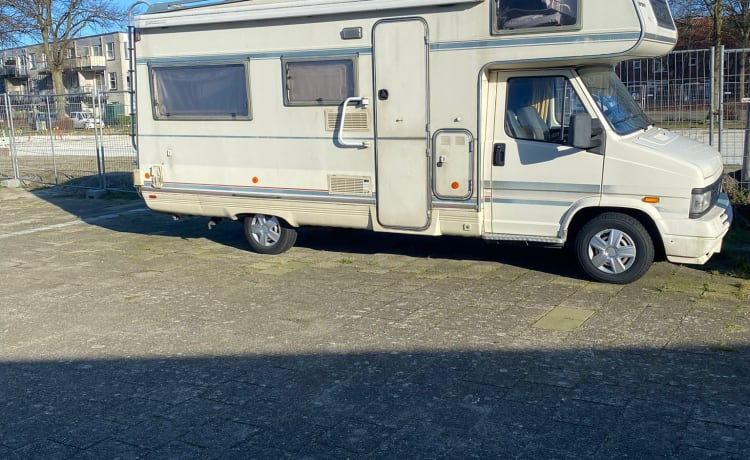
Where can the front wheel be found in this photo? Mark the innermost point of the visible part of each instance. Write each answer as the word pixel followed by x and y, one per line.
pixel 269 234
pixel 614 248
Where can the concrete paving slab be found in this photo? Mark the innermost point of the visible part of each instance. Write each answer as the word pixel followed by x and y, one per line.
pixel 124 333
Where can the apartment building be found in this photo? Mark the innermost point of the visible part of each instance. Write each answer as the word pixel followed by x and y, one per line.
pixel 99 61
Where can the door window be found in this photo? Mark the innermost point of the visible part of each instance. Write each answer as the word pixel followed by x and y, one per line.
pixel 540 108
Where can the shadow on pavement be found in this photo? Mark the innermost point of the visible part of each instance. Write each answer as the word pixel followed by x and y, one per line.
pixel 138 219
pixel 126 213
pixel 578 403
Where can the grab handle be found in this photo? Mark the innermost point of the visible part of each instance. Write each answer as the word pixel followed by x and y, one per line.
pixel 362 102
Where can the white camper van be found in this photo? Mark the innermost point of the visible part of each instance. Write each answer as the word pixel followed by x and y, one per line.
pixel 496 119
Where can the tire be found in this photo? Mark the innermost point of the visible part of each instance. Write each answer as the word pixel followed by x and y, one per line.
pixel 269 234
pixel 614 248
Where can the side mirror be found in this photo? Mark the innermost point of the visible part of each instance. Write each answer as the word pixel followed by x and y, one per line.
pixel 579 134
pixel 585 133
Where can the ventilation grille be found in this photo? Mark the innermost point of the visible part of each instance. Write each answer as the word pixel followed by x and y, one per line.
pixel 349 185
pixel 356 120
pixel 445 139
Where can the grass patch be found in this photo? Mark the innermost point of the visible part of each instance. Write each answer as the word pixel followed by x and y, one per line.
pixel 721 348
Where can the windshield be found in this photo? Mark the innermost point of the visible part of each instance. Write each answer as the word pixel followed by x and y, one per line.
pixel 623 114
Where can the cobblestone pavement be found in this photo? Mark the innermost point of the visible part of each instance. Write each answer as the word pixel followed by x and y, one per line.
pixel 125 334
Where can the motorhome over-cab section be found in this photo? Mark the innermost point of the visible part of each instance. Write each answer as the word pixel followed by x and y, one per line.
pixel 490 119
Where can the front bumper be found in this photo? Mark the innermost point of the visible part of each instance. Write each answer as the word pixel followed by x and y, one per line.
pixel 695 241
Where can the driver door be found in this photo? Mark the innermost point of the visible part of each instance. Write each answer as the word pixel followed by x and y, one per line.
pixel 536 176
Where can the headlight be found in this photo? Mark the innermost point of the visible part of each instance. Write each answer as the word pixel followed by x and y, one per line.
pixel 700 202
pixel 703 199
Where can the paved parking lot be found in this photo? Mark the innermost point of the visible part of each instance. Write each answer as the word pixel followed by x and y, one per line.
pixel 125 334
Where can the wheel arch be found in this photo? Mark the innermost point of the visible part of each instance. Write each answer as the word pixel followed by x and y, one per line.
pixel 584 215
pixel 287 218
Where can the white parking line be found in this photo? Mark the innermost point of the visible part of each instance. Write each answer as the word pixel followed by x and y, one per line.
pixel 92 220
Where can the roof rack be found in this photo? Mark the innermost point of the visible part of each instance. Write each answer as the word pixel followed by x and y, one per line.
pixel 164 7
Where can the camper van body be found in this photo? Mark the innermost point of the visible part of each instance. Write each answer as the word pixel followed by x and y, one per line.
pixel 400 116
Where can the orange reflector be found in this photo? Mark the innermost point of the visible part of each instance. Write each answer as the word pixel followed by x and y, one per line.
pixel 152 197
pixel 147 176
pixel 455 185
pixel 651 199
pixel 255 180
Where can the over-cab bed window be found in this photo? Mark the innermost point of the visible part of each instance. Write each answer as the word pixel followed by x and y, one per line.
pixel 511 16
pixel 326 81
pixel 200 92
pixel 662 13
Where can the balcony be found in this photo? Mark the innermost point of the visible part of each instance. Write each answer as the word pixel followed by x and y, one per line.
pixel 85 63
pixel 11 69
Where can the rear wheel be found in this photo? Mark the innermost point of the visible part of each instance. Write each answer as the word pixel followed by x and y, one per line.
pixel 269 234
pixel 614 248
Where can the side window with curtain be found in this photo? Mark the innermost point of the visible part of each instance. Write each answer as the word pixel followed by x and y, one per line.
pixel 533 15
pixel 318 81
pixel 201 92
pixel 540 108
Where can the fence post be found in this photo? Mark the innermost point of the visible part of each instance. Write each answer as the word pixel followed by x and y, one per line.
pixel 746 149
pixel 13 151
pixel 721 94
pixel 51 138
pixel 712 97
pixel 96 97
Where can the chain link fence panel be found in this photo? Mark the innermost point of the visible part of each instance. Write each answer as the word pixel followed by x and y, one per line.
pixel 80 140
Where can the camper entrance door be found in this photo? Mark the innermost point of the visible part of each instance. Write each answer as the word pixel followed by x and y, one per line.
pixel 401 139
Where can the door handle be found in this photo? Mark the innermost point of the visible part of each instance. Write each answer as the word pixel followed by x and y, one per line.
pixel 498 155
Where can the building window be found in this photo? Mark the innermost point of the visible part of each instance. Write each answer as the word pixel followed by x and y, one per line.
pixel 32 61
pixel 112 80
pixel 200 92
pixel 318 82
pixel 110 50
pixel 637 65
pixel 96 50
pixel 521 15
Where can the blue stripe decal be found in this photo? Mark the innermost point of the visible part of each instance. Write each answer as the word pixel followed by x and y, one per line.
pixel 492 43
pixel 660 38
pixel 532 202
pixel 499 186
pixel 509 42
pixel 211 136
pixel 262 193
pixel 263 55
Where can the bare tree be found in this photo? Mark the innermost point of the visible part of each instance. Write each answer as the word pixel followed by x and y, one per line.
pixel 55 24
pixel 12 25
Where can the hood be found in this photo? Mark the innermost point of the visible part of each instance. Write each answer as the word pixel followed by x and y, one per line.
pixel 670 144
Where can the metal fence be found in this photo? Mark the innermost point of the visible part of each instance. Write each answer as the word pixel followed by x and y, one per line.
pixel 676 91
pixel 77 140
